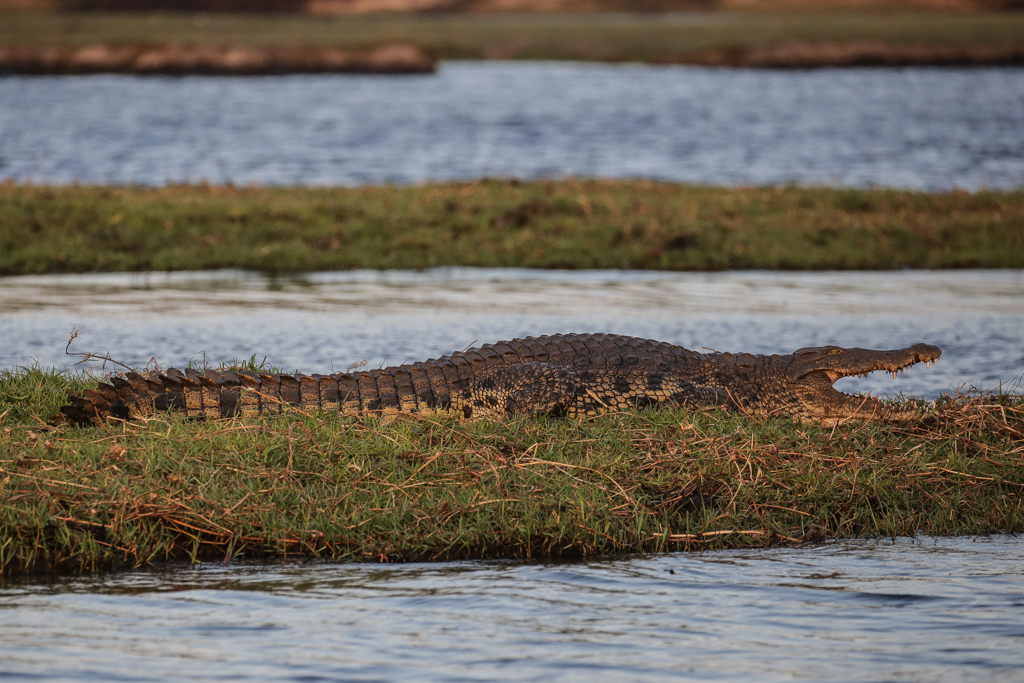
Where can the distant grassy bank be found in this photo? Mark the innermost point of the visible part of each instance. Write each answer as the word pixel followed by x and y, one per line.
pixel 496 223
pixel 761 38
pixel 374 489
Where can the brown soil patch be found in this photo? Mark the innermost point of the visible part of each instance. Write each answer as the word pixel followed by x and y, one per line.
pixel 340 7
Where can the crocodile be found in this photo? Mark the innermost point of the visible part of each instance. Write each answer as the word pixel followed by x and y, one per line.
pixel 559 375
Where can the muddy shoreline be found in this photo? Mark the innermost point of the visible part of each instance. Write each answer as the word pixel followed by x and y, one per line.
pixel 172 60
pixel 407 58
pixel 802 55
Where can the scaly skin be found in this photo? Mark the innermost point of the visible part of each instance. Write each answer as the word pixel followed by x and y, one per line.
pixel 570 375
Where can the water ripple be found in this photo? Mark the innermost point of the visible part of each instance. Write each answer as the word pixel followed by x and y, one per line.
pixel 919 128
pixel 327 321
pixel 926 610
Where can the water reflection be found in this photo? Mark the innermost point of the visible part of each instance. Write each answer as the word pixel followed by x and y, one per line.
pixel 327 321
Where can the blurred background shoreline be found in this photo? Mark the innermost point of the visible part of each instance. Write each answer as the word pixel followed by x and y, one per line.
pixel 313 36
pixel 336 7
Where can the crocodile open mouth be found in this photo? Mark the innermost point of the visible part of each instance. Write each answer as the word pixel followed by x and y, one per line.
pixel 832 403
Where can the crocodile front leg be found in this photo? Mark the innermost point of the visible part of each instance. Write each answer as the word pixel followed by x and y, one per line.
pixel 535 388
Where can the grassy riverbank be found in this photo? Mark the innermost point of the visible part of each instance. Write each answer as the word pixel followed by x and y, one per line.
pixel 712 37
pixel 423 489
pixel 548 224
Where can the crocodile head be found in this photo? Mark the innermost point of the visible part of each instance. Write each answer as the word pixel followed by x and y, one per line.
pixel 812 371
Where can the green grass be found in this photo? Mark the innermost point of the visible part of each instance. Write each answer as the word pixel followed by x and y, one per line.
pixel 401 489
pixel 603 37
pixel 564 224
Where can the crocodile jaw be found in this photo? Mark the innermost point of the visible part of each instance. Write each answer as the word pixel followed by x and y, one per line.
pixel 813 371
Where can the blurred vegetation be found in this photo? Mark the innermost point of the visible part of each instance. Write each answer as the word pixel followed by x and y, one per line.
pixel 681 37
pixel 564 224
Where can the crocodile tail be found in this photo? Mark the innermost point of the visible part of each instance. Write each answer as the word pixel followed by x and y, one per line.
pixel 209 394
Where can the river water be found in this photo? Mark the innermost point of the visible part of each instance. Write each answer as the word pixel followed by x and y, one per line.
pixel 922 128
pixel 930 610
pixel 328 321
pixel 949 609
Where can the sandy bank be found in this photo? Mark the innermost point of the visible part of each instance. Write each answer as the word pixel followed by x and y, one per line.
pixel 235 61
